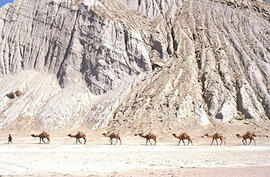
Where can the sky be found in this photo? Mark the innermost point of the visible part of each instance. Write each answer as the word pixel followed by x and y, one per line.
pixel 3 2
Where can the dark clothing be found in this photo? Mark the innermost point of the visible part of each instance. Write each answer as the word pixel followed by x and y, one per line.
pixel 9 139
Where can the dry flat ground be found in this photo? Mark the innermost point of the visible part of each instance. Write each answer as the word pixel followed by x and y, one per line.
pixel 64 158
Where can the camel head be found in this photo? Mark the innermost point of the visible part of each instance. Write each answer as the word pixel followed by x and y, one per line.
pixel 206 134
pixel 238 135
pixel 140 134
pixel 33 135
pixel 69 135
pixel 104 134
pixel 174 134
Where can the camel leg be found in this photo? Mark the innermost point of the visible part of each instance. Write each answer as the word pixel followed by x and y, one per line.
pixel 212 141
pixel 150 142
pixel 84 140
pixel 244 141
pixel 43 141
pixel 110 141
pixel 120 141
pixel 216 141
pixel 39 140
pixel 224 142
pixel 116 141
pixel 191 142
pixel 79 141
pixel 183 142
pixel 48 140
pixel 254 141
pixel 76 140
pixel 249 141
pixel 179 142
pixel 146 142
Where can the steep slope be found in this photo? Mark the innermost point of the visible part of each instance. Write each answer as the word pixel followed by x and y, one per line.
pixel 218 71
pixel 144 65
pixel 88 56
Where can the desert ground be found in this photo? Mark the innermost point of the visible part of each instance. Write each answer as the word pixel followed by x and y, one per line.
pixel 62 157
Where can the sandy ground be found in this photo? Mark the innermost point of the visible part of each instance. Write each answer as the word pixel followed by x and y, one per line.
pixel 64 158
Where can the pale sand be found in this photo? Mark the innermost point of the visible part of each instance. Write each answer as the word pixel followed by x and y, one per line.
pixel 62 157
pixel 201 172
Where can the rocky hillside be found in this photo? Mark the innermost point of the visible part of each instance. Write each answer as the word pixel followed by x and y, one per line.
pixel 142 65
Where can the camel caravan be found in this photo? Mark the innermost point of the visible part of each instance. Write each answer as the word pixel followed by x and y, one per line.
pixel 216 137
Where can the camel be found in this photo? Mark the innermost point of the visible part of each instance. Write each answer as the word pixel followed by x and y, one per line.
pixel 148 137
pixel 215 137
pixel 78 136
pixel 42 136
pixel 182 137
pixel 112 136
pixel 246 136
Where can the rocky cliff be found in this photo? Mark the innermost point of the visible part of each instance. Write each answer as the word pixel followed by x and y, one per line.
pixel 142 65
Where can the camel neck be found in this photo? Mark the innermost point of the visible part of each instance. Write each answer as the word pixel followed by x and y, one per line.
pixel 143 136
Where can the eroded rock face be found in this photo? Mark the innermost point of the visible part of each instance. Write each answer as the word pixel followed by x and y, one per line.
pixel 81 46
pixel 218 69
pixel 153 64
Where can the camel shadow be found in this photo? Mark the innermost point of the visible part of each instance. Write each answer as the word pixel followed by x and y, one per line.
pixel 37 143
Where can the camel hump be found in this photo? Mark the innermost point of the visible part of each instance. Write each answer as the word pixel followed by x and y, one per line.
pixel 115 134
pixel 250 134
pixel 45 133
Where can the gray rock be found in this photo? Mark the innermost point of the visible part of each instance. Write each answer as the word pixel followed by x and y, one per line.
pixel 93 63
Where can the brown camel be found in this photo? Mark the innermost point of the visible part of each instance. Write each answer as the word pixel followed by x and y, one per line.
pixel 112 136
pixel 42 136
pixel 182 137
pixel 148 137
pixel 215 137
pixel 246 136
pixel 78 136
